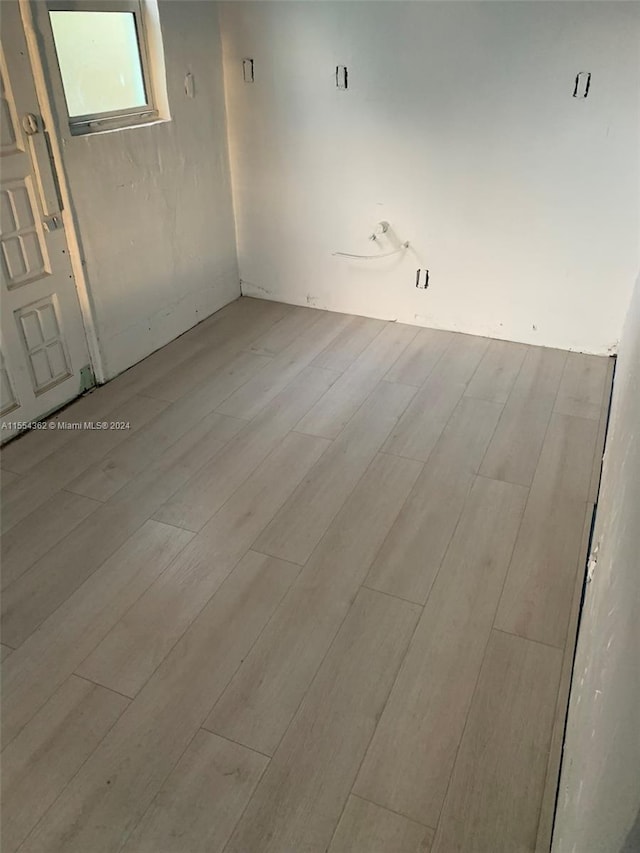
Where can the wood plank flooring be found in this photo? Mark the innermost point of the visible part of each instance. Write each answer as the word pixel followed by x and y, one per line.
pixel 320 596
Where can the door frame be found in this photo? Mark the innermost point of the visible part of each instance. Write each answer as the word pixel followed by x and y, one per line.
pixel 78 266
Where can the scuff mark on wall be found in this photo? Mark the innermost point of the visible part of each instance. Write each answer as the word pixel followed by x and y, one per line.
pixel 248 288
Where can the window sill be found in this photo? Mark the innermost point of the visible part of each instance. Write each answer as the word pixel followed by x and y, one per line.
pixel 102 127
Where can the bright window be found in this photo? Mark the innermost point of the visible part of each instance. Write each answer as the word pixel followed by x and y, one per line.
pixel 103 62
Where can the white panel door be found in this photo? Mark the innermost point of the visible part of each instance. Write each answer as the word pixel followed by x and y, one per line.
pixel 43 345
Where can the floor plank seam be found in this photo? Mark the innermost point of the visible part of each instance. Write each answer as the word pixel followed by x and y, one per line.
pixel 477 367
pixel 401 353
pixel 43 817
pixel 265 553
pixel 528 639
pixel 112 414
pixel 4 469
pixel 203 603
pixel 221 371
pixel 390 595
pixel 355 485
pixel 189 625
pixel 184 528
pixel 236 742
pixel 44 702
pixel 311 681
pixel 130 698
pixel 61 603
pixel 295 338
pixel 103 686
pixel 541 802
pixel 299 362
pixel 154 460
pixel 485 399
pixel 204 718
pixel 357 354
pixel 484 654
pixel 101 501
pixel 148 396
pixel 451 538
pixel 228 351
pixel 500 480
pixel 555 400
pixel 460 739
pixel 392 683
pixel 404 456
pixel 410 384
pixel 352 416
pixel 495 430
pixel 248 421
pixel 196 474
pixel 250 649
pixel 521 520
pixel 444 428
pixel 274 614
pixel 437 362
pixel 159 788
pixel 246 806
pixel 393 811
pixel 249 799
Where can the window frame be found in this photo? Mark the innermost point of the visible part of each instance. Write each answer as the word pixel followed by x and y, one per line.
pixel 113 119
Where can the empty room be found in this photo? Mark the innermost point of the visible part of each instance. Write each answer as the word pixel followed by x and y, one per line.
pixel 320 415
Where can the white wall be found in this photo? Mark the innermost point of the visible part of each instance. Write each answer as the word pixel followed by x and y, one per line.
pixel 599 800
pixel 459 127
pixel 153 203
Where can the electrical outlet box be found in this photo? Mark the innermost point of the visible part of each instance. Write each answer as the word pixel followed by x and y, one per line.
pixel 247 70
pixel 422 279
pixel 582 84
pixel 342 77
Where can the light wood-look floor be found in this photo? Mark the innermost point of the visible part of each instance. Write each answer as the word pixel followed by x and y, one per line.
pixel 322 594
